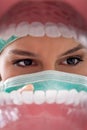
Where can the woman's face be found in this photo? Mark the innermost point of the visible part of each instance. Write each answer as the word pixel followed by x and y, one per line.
pixel 29 55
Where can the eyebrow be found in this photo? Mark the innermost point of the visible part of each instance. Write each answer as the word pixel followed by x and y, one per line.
pixel 23 53
pixel 26 53
pixel 73 50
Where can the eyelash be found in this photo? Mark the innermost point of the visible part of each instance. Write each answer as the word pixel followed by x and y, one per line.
pixel 73 58
pixel 29 62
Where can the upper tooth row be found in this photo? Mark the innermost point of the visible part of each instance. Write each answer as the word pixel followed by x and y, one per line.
pixel 40 97
pixel 38 29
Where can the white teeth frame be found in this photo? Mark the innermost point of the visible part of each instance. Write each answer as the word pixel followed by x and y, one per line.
pixel 37 29
pixel 67 97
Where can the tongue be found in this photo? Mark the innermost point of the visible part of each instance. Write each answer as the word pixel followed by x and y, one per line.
pixel 43 117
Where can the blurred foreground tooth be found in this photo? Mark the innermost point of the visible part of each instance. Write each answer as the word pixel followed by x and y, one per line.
pixel 22 29
pixel 61 96
pixel 39 97
pixel 16 97
pixel 72 98
pixel 12 114
pixel 36 29
pixel 51 96
pixel 51 30
pixel 27 97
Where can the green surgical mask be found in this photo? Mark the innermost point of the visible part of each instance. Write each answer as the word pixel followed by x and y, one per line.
pixel 46 80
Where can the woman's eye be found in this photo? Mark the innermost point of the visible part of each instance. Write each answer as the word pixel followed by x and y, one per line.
pixel 24 62
pixel 72 61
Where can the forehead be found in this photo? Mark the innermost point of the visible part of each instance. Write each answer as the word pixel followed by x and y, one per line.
pixel 42 44
pixel 51 11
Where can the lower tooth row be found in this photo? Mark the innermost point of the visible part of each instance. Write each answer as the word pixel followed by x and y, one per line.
pixel 40 97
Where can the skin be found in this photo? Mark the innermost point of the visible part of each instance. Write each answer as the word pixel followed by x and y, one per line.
pixel 29 55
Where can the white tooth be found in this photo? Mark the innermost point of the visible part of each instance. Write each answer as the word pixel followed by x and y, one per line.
pixel 51 30
pixel 83 98
pixel 27 97
pixel 22 29
pixel 36 29
pixel 6 97
pixel 51 96
pixel 62 96
pixel 1 98
pixel 16 97
pixel 73 97
pixel 39 97
pixel 81 95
